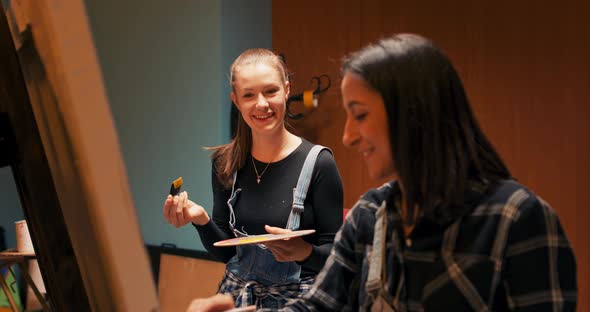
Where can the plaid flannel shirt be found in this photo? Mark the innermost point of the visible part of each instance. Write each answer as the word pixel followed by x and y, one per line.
pixel 509 252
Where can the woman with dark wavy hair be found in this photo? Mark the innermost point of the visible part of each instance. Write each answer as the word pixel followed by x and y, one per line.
pixel 452 230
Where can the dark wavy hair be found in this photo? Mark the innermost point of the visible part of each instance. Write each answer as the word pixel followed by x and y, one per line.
pixel 437 145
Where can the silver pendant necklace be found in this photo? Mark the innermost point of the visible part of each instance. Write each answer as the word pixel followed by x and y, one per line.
pixel 259 176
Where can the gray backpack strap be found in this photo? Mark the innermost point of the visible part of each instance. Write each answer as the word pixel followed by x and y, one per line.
pixel 300 191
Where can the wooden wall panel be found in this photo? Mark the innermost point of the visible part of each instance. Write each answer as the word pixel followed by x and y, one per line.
pixel 525 68
pixel 313 37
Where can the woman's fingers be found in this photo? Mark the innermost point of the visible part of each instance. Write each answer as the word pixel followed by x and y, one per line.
pixel 190 211
pixel 178 207
pixel 280 250
pixel 167 206
pixel 186 211
pixel 275 230
pixel 293 249
pixel 275 252
pixel 172 211
pixel 181 201
pixel 215 303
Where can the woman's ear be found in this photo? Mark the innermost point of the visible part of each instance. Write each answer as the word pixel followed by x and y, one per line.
pixel 287 89
pixel 234 99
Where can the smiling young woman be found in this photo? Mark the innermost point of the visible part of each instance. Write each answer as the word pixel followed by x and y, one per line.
pixel 266 180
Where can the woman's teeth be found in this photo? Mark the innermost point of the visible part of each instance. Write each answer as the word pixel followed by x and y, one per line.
pixel 263 117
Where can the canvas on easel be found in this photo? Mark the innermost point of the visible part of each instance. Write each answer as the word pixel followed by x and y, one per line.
pixel 67 162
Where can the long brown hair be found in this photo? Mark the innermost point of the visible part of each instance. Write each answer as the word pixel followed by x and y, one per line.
pixel 230 157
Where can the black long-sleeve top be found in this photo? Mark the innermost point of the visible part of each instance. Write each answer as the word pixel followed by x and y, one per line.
pixel 269 203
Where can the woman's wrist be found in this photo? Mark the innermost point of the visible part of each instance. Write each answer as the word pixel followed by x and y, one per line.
pixel 201 220
pixel 308 250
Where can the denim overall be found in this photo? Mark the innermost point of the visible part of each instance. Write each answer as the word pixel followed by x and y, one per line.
pixel 253 276
pixel 376 284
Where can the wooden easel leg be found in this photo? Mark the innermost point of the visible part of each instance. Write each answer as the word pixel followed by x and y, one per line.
pixel 30 281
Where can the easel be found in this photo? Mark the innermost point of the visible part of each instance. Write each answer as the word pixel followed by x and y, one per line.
pixel 75 195
pixel 32 175
pixel 7 259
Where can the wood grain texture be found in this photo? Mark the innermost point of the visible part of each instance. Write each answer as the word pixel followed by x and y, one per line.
pixel 80 160
pixel 37 192
pixel 525 68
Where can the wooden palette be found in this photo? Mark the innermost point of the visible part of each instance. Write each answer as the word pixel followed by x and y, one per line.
pixel 259 239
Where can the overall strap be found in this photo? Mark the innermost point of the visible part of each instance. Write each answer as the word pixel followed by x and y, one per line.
pixel 376 276
pixel 376 284
pixel 300 191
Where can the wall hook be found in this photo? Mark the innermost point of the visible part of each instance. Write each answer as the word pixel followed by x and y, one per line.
pixel 309 97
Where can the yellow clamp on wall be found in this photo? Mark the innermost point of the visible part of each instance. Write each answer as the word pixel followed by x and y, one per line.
pixel 308 101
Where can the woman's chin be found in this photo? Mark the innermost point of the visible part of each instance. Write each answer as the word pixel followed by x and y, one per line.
pixel 380 174
pixel 264 127
pixel 375 175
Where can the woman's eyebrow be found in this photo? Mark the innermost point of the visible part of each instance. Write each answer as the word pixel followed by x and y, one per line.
pixel 352 104
pixel 263 87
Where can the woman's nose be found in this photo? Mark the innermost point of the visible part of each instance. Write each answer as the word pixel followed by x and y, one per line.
pixel 261 101
pixel 350 137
